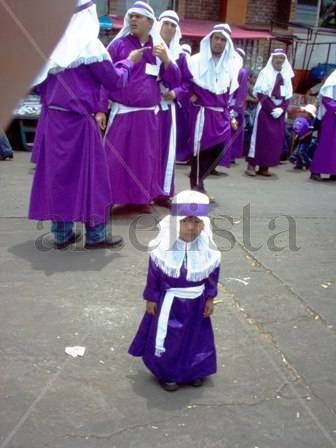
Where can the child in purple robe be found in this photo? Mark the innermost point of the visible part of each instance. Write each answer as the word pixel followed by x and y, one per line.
pixel 175 337
pixel 304 140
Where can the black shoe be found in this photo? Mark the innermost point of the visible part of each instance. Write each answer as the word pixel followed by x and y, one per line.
pixel 169 387
pixel 111 242
pixel 163 202
pixel 198 383
pixel 264 172
pixel 9 156
pixel 316 177
pixel 140 208
pixel 73 239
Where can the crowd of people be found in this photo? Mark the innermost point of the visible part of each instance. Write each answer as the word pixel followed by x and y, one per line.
pixel 115 120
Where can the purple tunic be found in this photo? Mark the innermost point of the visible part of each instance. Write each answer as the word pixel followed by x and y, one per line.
pixel 269 132
pixel 133 141
pixel 217 128
pixel 71 180
pixel 190 349
pixel 239 100
pixel 324 161
pixel 183 150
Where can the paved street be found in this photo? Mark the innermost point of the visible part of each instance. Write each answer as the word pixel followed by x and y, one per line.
pixel 275 325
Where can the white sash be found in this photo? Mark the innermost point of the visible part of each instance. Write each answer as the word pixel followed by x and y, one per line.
pixel 251 152
pixel 118 108
pixel 182 293
pixel 171 152
pixel 199 126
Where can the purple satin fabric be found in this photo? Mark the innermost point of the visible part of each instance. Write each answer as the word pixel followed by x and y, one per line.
pixel 190 209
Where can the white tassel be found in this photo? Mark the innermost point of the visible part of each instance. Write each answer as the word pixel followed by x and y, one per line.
pixel 80 61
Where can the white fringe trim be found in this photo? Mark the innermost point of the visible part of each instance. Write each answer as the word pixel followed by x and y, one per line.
pixel 80 61
pixel 192 276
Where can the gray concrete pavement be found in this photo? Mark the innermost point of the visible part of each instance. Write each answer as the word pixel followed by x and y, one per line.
pixel 275 326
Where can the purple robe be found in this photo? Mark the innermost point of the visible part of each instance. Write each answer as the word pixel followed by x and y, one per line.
pixel 217 128
pixel 71 181
pixel 183 150
pixel 324 161
pixel 239 105
pixel 133 141
pixel 268 133
pixel 190 348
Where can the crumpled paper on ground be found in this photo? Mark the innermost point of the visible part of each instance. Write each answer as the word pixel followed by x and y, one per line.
pixel 75 351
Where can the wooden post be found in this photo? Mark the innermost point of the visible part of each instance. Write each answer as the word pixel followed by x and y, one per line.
pixel 235 11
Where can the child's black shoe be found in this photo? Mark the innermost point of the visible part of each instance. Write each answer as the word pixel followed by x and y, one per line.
pixel 198 383
pixel 169 387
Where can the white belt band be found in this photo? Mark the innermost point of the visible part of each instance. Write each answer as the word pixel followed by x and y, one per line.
pixel 118 108
pixel 181 293
pixel 199 126
pixel 171 152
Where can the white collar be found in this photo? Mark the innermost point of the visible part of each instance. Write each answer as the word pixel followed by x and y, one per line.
pixel 200 256
pixel 78 45
pixel 220 77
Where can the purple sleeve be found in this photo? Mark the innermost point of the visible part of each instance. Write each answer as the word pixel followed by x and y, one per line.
pixel 152 290
pixel 171 76
pixel 211 284
pixel 329 104
pixel 284 105
pixel 103 100
pixel 183 90
pixel 266 103
pixel 112 76
pixel 241 93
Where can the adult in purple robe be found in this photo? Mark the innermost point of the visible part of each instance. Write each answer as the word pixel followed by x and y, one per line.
pixel 273 89
pixel 171 95
pixel 324 161
pixel 71 180
pixel 175 337
pixel 215 77
pixel 132 138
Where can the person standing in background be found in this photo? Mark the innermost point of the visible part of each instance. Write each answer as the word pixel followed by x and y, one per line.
pixel 274 89
pixel 132 138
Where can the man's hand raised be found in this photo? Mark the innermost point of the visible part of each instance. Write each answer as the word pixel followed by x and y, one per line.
pixel 160 52
pixel 136 55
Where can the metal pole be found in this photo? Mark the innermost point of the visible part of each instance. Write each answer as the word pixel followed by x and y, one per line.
pixel 328 53
pixel 317 20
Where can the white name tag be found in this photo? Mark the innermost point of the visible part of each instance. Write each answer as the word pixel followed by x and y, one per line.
pixel 152 69
pixel 282 91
